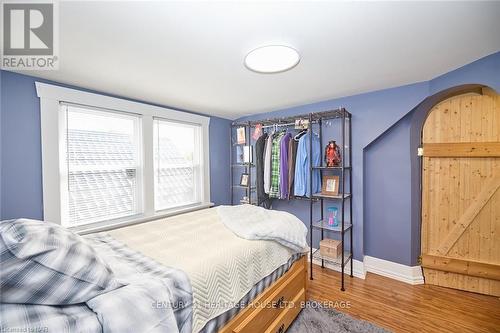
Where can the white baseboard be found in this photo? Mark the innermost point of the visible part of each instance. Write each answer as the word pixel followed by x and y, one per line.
pixel 357 267
pixel 407 274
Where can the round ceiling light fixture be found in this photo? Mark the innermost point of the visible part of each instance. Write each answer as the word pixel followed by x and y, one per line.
pixel 272 59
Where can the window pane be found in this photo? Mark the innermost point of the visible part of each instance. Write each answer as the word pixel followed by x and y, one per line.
pixel 102 161
pixel 177 164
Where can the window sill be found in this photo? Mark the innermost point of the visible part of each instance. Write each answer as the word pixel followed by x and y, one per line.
pixel 98 227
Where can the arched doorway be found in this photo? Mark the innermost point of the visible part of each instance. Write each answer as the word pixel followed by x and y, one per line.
pixel 460 237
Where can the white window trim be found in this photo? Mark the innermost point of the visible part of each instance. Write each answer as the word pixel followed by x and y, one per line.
pixel 52 132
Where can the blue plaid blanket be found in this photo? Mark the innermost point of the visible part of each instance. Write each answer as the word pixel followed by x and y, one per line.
pixel 131 265
pixel 52 280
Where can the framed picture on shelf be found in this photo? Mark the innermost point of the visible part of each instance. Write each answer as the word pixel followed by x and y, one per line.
pixel 243 154
pixel 239 154
pixel 330 185
pixel 247 154
pixel 240 136
pixel 244 179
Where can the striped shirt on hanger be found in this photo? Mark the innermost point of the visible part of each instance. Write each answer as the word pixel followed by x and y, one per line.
pixel 274 192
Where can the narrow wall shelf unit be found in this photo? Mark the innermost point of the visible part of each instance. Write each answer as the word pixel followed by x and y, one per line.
pixel 316 122
pixel 244 167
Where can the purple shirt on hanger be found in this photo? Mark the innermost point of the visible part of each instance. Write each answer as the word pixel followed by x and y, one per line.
pixel 284 165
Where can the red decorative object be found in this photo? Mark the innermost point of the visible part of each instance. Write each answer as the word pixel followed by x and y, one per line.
pixel 332 154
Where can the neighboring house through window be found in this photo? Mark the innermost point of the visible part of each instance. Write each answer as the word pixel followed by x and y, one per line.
pixel 178 158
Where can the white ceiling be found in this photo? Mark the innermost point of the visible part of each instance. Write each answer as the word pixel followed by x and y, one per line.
pixel 190 55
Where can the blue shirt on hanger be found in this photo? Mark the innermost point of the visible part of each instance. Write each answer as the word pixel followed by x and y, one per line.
pixel 301 178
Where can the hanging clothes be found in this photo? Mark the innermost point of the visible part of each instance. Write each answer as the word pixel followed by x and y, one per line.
pixel 285 141
pixel 274 191
pixel 302 185
pixel 260 144
pixel 292 153
pixel 267 163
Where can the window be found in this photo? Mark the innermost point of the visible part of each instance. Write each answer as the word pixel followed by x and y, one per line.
pixel 108 161
pixel 103 165
pixel 177 164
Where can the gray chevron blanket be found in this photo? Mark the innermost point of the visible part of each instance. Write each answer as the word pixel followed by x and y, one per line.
pixel 221 266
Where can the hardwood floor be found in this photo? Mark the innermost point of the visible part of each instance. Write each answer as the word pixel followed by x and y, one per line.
pixel 401 307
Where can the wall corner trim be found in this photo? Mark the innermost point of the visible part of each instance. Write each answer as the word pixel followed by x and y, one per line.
pixel 357 267
pixel 407 274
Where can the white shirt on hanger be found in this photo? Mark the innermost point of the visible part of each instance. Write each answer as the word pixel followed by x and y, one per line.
pixel 267 163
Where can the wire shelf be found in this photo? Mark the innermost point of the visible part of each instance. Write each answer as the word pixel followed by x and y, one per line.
pixel 333 261
pixel 327 196
pixel 330 168
pixel 325 226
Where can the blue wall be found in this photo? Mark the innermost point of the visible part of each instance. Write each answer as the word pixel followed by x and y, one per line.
pixel 20 150
pixel 387 179
pixel 378 115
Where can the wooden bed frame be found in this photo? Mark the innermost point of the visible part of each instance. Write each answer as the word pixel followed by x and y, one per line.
pixel 276 307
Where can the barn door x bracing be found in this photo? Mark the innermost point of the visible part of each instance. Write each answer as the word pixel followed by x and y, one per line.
pixel 461 195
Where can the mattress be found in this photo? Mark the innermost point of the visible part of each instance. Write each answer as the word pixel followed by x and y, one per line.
pixel 223 268
pixel 217 323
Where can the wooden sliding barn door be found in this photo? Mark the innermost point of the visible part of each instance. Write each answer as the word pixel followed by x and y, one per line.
pixel 460 194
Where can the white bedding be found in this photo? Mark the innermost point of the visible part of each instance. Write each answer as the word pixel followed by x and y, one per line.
pixel 222 267
pixel 252 222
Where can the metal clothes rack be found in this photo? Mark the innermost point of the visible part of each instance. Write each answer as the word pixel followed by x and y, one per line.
pixel 316 119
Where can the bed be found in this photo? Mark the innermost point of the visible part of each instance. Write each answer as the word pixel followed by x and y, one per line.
pixel 233 284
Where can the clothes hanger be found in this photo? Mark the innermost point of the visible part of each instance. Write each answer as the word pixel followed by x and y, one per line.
pixel 300 134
